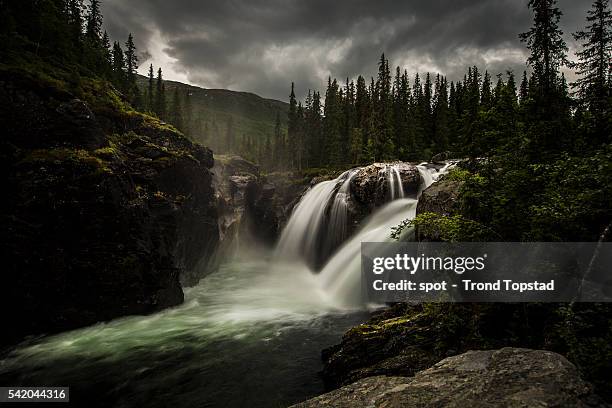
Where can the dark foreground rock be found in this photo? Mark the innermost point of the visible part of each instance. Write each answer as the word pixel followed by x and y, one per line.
pixel 106 211
pixel 509 377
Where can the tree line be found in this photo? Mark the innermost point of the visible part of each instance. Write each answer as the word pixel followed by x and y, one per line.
pixel 69 34
pixel 394 117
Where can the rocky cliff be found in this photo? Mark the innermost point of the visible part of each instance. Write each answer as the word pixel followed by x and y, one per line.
pixel 252 207
pixel 106 210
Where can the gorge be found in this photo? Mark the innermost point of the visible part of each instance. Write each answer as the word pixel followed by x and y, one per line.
pixel 254 328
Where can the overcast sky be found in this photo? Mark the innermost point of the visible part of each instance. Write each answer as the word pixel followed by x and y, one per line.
pixel 261 46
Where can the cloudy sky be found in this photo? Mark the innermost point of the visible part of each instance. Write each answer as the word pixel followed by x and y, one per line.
pixel 261 46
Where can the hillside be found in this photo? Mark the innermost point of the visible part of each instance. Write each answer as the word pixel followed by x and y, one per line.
pixel 212 110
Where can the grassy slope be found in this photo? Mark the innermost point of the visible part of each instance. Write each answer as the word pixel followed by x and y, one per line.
pixel 252 114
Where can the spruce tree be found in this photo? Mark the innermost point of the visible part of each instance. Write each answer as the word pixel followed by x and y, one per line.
pixel 547 114
pixel 595 67
pixel 131 60
pixel 75 22
pixel 292 126
pixel 150 90
pixel 546 43
pixel 118 67
pixel 160 97
pixel 486 97
pixel 93 30
pixel 107 58
pixel 524 89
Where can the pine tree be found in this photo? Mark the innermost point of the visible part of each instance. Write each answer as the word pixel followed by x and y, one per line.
pixel 547 114
pixel 418 117
pixel 150 89
pixel 160 97
pixel 595 67
pixel 107 58
pixel 131 60
pixel 384 144
pixel 75 22
pixel 292 126
pixel 440 115
pixel 486 97
pixel 524 89
pixel 118 67
pixel 93 30
pixel 546 43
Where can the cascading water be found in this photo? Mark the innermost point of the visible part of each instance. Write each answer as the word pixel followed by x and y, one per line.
pixel 252 331
pixel 319 223
pixel 338 216
pixel 341 276
pixel 394 179
pixel 300 237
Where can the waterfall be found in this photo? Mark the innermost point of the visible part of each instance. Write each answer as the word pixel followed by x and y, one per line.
pixel 299 239
pixel 394 181
pixel 341 276
pixel 307 233
pixel 338 216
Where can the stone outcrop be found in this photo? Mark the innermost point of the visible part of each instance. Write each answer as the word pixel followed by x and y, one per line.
pixel 251 205
pixel 440 198
pixel 509 377
pixel 106 210
pixel 370 185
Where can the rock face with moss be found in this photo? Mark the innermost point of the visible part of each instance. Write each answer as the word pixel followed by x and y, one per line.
pixel 106 210
pixel 509 377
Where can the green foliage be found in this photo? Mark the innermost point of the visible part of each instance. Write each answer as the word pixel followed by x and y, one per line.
pixel 436 227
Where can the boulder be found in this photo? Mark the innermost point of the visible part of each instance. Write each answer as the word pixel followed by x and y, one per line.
pixel 371 187
pixel 508 377
pixel 440 198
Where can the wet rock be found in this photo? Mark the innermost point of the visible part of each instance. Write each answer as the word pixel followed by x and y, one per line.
pixel 249 204
pixel 509 377
pixel 440 198
pixel 371 186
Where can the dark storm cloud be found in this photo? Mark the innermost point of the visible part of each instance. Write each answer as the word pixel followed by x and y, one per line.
pixel 263 45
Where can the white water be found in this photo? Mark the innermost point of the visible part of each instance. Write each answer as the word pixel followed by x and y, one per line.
pixel 338 225
pixel 252 331
pixel 339 279
pixel 341 276
pixel 300 236
pixel 395 183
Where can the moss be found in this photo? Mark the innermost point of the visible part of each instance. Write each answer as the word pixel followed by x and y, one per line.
pixel 109 152
pixel 59 155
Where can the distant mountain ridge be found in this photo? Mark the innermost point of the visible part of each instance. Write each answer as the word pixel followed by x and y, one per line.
pixel 213 109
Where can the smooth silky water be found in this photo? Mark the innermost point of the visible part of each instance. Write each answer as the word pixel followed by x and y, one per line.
pixel 250 334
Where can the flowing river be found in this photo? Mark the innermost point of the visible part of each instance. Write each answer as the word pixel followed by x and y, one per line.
pixel 250 334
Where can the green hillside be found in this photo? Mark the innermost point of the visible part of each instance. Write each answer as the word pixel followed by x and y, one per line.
pixel 209 115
